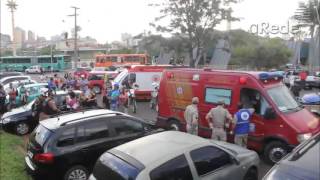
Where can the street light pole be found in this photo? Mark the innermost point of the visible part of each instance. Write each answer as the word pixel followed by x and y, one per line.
pixel 75 36
pixel 13 6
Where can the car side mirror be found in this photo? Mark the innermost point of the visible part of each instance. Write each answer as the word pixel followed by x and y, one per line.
pixel 269 113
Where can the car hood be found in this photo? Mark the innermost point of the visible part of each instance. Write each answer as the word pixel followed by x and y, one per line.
pixel 284 170
pixel 303 121
pixel 17 112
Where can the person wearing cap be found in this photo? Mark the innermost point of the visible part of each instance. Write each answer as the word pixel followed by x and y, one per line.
pixel 218 119
pixel 191 115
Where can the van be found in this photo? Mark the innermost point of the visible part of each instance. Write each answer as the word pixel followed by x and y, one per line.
pixel 279 122
pixel 143 76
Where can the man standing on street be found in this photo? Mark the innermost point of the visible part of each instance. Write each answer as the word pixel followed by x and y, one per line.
pixel 218 119
pixel 191 116
pixel 241 121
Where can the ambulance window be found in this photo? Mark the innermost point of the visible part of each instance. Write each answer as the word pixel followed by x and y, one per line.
pixel 214 95
pixel 251 98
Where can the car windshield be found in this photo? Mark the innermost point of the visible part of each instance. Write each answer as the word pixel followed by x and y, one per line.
pixel 282 97
pixel 120 76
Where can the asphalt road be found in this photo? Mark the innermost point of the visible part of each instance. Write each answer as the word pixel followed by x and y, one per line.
pixel 147 114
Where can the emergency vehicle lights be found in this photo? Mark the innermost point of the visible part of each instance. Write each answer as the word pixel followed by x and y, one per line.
pixel 269 75
pixel 169 75
pixel 243 80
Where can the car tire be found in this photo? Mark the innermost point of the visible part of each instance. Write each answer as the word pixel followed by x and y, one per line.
pixel 22 128
pixel 274 152
pixel 174 125
pixel 76 172
pixel 252 174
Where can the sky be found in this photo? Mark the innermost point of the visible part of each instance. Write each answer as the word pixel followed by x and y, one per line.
pixel 105 20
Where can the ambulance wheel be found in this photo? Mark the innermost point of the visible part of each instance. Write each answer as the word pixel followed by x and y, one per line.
pixel 174 125
pixel 274 151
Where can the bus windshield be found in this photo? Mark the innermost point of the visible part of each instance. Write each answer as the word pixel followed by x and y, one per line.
pixel 282 97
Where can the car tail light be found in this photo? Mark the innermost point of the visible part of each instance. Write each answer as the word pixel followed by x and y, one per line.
pixel 46 158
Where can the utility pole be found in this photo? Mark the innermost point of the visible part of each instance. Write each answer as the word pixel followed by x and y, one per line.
pixel 76 56
pixel 13 6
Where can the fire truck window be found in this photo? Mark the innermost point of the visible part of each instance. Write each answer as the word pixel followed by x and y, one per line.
pixel 214 95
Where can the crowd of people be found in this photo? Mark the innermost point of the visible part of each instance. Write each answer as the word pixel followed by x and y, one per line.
pixel 220 121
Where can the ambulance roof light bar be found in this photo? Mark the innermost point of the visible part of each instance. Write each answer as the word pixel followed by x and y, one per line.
pixel 270 75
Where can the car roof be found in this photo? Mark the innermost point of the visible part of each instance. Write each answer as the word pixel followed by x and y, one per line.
pixel 56 122
pixel 161 145
pixel 10 77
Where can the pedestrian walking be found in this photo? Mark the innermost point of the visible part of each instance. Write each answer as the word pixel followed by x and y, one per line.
pixel 114 97
pixel 218 119
pixel 241 123
pixel 84 84
pixel 123 99
pixel 3 96
pixel 191 115
pixel 23 95
pixel 52 85
pixel 12 96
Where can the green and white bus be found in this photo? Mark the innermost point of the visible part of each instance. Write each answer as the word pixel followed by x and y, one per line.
pixel 48 63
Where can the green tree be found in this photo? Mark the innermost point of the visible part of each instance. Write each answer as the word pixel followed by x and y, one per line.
pixel 193 20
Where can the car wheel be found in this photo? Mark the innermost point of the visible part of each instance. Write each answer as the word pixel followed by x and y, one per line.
pixel 97 89
pixel 174 125
pixel 274 152
pixel 251 174
pixel 22 128
pixel 77 173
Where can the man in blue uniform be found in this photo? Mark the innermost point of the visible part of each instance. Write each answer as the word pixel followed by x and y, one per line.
pixel 242 125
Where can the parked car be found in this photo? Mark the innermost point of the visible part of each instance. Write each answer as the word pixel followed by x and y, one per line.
pixel 312 82
pixel 33 69
pixel 20 120
pixel 33 91
pixel 176 155
pixel 302 163
pixel 9 79
pixel 84 71
pixel 68 146
pixel 16 84
pixel 7 74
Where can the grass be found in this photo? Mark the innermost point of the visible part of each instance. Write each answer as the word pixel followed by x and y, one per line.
pixel 12 157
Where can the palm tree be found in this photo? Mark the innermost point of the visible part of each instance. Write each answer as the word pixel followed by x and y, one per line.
pixel 308 15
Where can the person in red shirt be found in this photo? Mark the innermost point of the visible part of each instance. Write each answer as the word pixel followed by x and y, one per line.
pixel 123 99
pixel 303 76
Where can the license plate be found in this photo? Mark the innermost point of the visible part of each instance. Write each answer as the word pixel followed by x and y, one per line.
pixel 30 154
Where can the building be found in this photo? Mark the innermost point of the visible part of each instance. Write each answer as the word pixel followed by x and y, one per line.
pixel 20 37
pixel 5 40
pixel 31 37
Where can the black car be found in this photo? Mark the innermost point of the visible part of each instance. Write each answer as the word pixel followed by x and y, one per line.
pixel 67 146
pixel 302 163
pixel 20 120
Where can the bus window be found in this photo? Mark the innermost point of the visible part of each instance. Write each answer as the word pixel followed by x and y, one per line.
pixel 114 59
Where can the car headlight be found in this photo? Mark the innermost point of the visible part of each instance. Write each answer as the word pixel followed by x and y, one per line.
pixel 303 137
pixel 5 120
